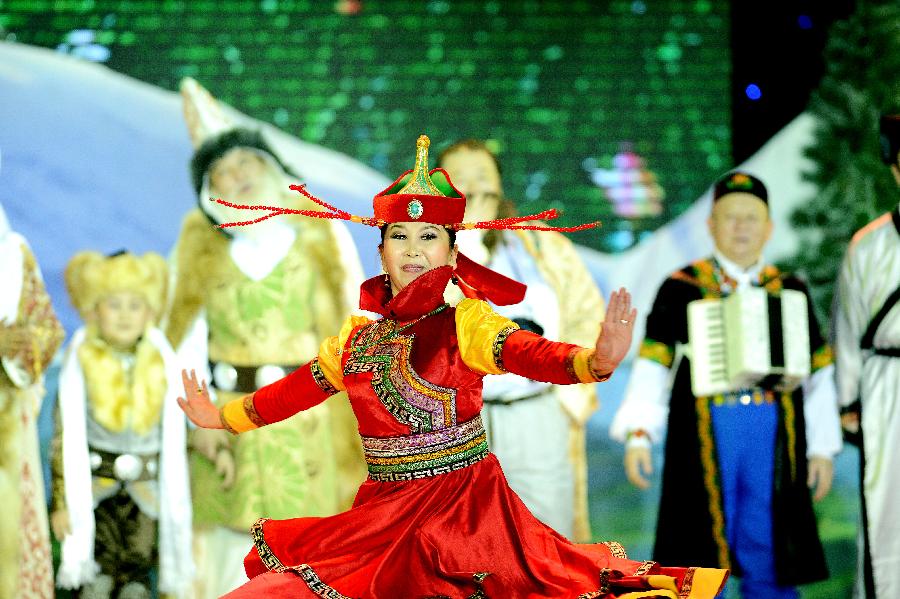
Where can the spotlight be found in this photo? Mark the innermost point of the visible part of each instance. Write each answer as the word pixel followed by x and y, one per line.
pixel 753 92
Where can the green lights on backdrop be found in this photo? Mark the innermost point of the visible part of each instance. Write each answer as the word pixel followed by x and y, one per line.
pixel 559 86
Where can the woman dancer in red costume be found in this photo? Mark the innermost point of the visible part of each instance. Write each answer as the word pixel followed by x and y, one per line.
pixel 436 518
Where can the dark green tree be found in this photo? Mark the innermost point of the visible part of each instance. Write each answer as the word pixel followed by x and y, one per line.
pixel 862 80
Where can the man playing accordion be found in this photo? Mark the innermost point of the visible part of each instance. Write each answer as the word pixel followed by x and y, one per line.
pixel 742 460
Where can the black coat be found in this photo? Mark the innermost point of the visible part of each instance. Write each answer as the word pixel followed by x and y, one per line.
pixel 691 527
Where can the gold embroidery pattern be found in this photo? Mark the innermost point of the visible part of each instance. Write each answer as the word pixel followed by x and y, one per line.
pixel 710 474
pixel 224 422
pixel 36 313
pixel 262 548
pixel 478 578
pixel 250 411
pixel 604 586
pixel 790 426
pixel 412 400
pixel 688 583
pixel 315 584
pixel 497 347
pixel 657 351
pixel 320 378
pixel 604 580
pixel 822 357
pixel 570 364
pixel 616 549
pixel 644 568
pixel 305 571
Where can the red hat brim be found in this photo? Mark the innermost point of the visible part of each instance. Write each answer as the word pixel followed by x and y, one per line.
pixel 446 209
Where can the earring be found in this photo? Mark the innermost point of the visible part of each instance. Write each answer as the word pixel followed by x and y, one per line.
pixel 387 282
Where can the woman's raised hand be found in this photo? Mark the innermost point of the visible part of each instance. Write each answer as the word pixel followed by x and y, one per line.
pixel 196 403
pixel 614 339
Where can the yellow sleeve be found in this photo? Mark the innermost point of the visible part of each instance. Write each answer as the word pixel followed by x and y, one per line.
pixel 480 333
pixel 328 365
pixel 329 359
pixel 239 415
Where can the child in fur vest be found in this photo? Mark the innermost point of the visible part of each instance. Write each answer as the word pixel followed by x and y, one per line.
pixel 121 503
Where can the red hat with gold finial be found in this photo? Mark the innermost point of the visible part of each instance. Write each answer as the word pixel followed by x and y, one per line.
pixel 421 195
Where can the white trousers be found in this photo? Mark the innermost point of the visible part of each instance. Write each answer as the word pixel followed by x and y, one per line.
pixel 531 440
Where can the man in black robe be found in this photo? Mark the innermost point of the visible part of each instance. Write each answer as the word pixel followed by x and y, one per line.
pixel 739 465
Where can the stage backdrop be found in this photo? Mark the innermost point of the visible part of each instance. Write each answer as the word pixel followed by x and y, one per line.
pixel 613 110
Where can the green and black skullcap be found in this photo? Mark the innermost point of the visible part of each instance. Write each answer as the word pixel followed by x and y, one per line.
pixel 740 182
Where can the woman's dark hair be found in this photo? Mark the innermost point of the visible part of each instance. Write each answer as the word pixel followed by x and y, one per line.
pixel 450 232
pixel 215 147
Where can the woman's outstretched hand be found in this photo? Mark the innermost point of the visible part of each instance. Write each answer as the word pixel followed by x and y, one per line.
pixel 197 405
pixel 614 339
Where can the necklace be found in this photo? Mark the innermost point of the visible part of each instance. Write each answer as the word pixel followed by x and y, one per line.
pixel 396 332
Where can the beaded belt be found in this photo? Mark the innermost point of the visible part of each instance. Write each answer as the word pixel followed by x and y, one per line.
pixel 246 379
pixel 425 454
pixel 126 467
pixel 744 397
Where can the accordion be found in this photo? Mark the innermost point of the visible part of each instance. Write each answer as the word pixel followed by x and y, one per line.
pixel 748 339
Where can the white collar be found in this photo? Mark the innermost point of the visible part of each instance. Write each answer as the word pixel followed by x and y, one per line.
pixel 745 277
pixel 257 255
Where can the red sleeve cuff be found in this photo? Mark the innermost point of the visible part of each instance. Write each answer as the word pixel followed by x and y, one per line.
pixel 540 359
pixel 294 393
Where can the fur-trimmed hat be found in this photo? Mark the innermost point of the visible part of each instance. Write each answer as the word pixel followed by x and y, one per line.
pixel 91 276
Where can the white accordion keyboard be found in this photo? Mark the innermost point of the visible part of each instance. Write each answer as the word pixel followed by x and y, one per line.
pixel 747 339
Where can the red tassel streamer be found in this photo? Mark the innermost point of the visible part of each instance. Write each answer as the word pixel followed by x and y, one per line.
pixel 335 213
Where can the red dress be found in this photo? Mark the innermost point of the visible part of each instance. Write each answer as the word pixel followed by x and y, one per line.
pixel 436 518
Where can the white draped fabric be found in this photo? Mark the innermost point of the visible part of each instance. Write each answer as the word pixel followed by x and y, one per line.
pixel 870 273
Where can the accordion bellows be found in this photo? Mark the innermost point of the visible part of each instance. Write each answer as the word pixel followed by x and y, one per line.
pixel 749 339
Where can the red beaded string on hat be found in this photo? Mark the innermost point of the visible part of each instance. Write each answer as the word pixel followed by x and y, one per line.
pixel 335 213
pixel 513 222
